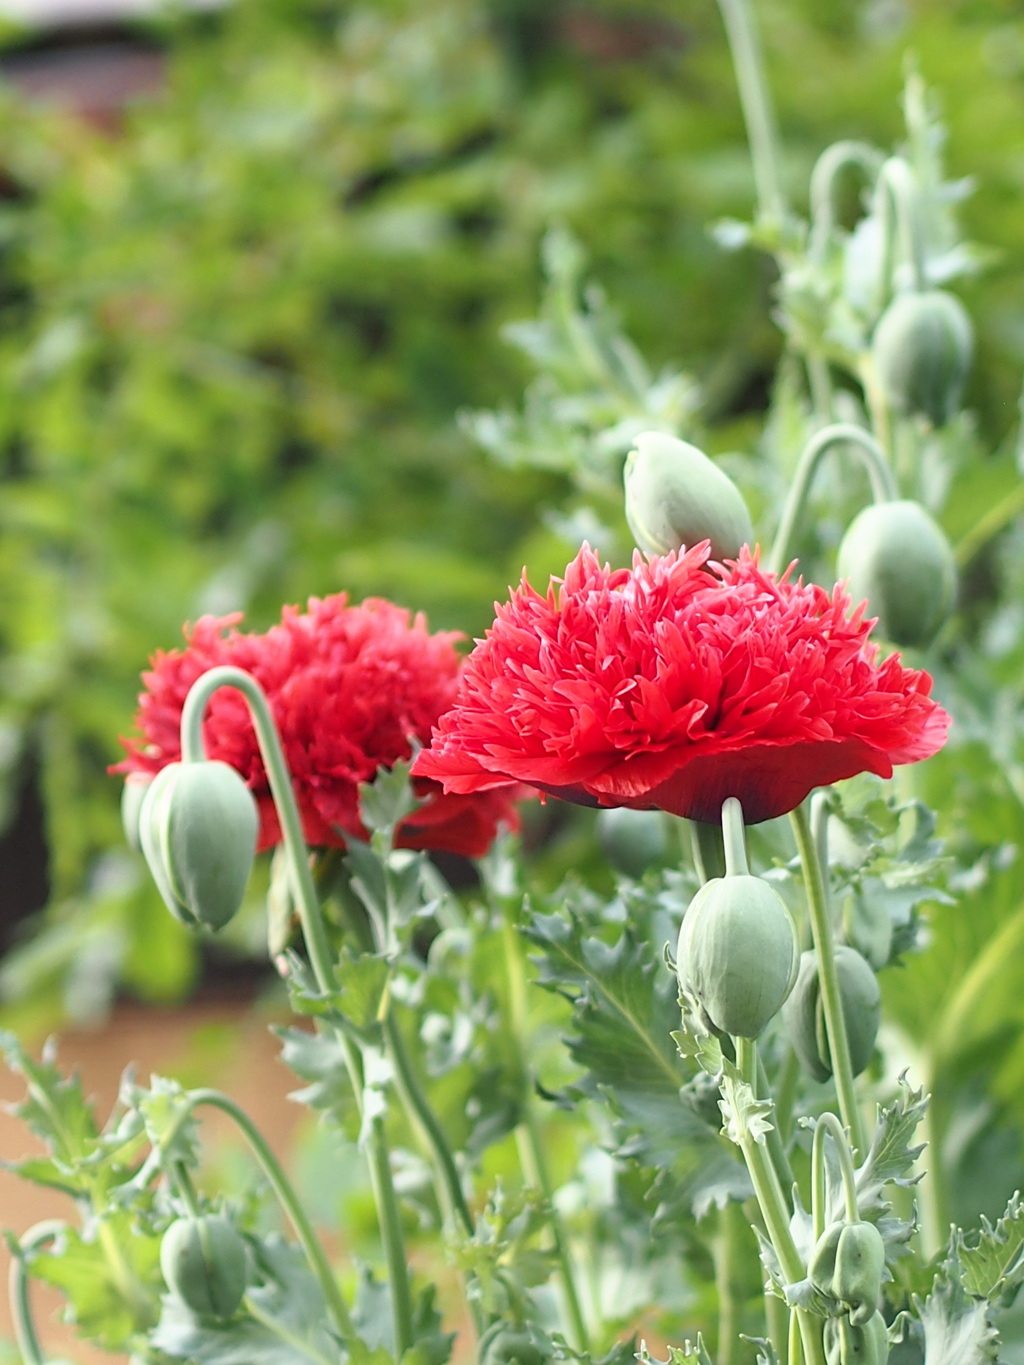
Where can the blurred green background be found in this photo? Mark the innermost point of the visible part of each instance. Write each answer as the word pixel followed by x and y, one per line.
pixel 238 327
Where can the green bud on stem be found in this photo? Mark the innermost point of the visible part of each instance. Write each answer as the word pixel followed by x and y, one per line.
pixel 897 556
pixel 922 351
pixel 804 1012
pixel 676 496
pixel 197 827
pixel 203 1260
pixel 849 1344
pixel 505 1344
pixel 738 953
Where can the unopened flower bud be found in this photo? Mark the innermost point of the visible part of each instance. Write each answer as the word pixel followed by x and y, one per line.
pixel 505 1344
pixel 922 350
pixel 738 953
pixel 860 1265
pixel 897 556
pixel 846 1343
pixel 676 496
pixel 204 1262
pixel 631 840
pixel 804 1012
pixel 198 828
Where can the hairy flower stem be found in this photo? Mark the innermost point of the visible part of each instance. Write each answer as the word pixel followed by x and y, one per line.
pixel 871 456
pixel 286 1197
pixel 529 1142
pixel 29 1346
pixel 832 1003
pixel 773 1207
pixel 748 65
pixel 315 936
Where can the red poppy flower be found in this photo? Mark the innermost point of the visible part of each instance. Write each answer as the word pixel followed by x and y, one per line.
pixel 351 689
pixel 676 684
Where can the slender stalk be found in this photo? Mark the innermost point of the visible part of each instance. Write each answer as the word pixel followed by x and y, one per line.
pixel 871 456
pixel 822 190
pixel 832 1003
pixel 758 116
pixel 733 838
pixel 829 1126
pixel 726 1252
pixel 773 1207
pixel 287 1198
pixel 315 935
pixel 780 1320
pixel 529 1141
pixel 896 183
pixel 22 1321
pixel 776 1145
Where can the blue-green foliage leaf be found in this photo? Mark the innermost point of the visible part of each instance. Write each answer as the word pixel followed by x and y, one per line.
pixel 991 1260
pixel 956 1327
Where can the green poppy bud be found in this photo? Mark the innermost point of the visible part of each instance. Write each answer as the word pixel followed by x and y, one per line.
pixel 204 1262
pixel 503 1344
pixel 922 350
pixel 897 556
pixel 804 1012
pixel 675 496
pixel 198 827
pixel 846 1343
pixel 631 840
pixel 738 953
pixel 860 1264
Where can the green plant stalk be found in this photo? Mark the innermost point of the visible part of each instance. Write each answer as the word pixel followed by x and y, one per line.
pixel 773 1208
pixel 727 1251
pixel 748 65
pixel 872 457
pixel 528 1138
pixel 829 1126
pixel 286 1197
pixel 832 1003
pixel 22 1321
pixel 317 944
pixel 781 1322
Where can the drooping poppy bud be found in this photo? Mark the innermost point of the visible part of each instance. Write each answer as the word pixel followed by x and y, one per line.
pixel 846 1343
pixel 676 497
pixel 897 556
pixel 203 1260
pixel 804 1012
pixel 922 350
pixel 198 827
pixel 738 953
pixel 505 1344
pixel 631 840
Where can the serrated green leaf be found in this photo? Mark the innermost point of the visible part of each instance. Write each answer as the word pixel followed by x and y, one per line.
pixel 991 1261
pixel 387 800
pixel 677 1354
pixel 745 1116
pixel 891 1156
pixel 55 1109
pixel 356 1003
pixel 320 1059
pixel 957 1329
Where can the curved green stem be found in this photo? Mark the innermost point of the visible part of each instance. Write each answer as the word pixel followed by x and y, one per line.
pixel 23 1323
pixel 900 217
pixel 529 1142
pixel 773 1206
pixel 287 1198
pixel 822 191
pixel 315 935
pixel 192 750
pixel 871 456
pixel 757 110
pixel 829 1126
pixel 832 1003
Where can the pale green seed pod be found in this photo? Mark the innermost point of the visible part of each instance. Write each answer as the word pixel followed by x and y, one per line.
pixel 738 953
pixel 849 1344
pixel 804 1012
pixel 631 840
pixel 896 556
pixel 676 496
pixel 922 351
pixel 198 827
pixel 203 1260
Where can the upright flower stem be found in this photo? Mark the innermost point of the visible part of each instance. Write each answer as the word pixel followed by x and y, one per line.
pixel 528 1137
pixel 727 1252
pixel 773 1207
pixel 321 959
pixel 871 456
pixel 748 65
pixel 832 1003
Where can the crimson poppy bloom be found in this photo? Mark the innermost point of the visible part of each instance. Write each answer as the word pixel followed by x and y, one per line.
pixel 351 689
pixel 676 684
